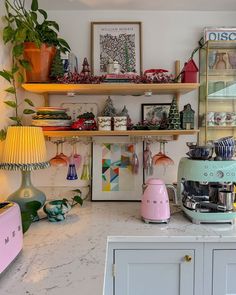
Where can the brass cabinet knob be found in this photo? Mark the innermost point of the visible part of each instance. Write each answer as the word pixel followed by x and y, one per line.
pixel 187 258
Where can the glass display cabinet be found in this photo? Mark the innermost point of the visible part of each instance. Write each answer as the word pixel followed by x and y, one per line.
pixel 217 95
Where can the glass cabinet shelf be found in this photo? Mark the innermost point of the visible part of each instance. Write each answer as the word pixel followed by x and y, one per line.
pixel 217 95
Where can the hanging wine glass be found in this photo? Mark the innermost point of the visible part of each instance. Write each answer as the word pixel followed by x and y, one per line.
pixel 147 159
pixel 220 63
pixel 211 59
pixel 72 174
pixel 77 157
pixel 134 161
pixel 57 161
pixel 86 169
pixel 161 158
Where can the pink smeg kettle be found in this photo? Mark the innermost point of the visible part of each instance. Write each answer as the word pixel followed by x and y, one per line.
pixel 155 205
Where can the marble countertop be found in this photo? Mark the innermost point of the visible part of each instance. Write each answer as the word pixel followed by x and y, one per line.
pixel 69 257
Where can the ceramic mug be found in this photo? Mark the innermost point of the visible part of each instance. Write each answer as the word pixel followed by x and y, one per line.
pixel 120 123
pixel 229 119
pixel 104 123
pixel 211 119
pixel 220 118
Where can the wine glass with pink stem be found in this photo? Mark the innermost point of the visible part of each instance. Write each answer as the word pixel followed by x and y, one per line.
pixel 77 157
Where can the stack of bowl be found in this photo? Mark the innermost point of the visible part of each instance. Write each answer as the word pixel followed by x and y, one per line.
pixel 225 148
pixel 198 152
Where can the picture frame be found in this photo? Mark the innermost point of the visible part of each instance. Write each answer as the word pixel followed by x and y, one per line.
pixel 154 112
pixel 116 41
pixel 112 176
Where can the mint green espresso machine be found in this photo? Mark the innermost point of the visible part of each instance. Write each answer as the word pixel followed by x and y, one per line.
pixel 196 178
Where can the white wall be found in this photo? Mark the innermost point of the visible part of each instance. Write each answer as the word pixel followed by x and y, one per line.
pixel 166 37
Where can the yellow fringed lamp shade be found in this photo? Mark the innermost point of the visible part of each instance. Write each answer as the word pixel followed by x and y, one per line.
pixel 24 149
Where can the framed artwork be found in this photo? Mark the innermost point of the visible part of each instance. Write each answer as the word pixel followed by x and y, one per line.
pixel 116 41
pixel 155 112
pixel 113 177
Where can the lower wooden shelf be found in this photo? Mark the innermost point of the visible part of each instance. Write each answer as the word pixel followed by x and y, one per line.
pixel 143 133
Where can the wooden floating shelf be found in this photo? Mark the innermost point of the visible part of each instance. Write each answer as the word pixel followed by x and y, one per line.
pixel 111 88
pixel 146 133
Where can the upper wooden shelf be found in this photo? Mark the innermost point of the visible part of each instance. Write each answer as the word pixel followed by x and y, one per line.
pixel 111 88
pixel 143 133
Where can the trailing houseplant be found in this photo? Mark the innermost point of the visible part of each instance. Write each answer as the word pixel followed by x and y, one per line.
pixel 30 32
pixel 55 209
pixel 25 27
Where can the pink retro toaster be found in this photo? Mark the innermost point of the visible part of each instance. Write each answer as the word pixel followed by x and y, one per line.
pixel 11 236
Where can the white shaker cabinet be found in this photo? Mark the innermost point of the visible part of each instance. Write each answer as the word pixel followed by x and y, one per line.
pixel 150 268
pixel 219 268
pixel 174 268
pixel 224 272
pixel 139 272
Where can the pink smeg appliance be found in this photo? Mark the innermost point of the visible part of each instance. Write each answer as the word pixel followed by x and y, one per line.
pixel 155 205
pixel 11 236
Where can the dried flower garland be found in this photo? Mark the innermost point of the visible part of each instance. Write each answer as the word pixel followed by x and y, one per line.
pixel 154 78
pixel 76 78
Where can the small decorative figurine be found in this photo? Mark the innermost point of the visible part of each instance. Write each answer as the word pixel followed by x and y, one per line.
pixel 86 121
pixel 86 69
pixel 124 113
pixel 174 117
pixel 187 117
pixel 116 67
pixel 109 109
pixel 189 72
pixel 57 68
pixel 57 209
pixel 110 67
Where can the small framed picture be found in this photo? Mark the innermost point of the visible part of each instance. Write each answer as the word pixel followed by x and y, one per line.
pixel 118 42
pixel 155 112
pixel 115 178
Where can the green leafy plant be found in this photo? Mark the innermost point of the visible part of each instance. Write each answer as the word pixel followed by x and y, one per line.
pixel 76 199
pixel 14 103
pixel 22 26
pixel 57 69
pixel 30 26
pixel 30 214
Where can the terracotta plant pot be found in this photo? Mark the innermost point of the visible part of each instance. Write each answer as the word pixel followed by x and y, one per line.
pixel 40 60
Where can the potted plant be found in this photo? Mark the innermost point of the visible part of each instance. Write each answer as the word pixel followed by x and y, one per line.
pixel 34 40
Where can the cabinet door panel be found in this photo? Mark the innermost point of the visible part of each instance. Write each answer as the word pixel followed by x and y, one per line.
pixel 224 272
pixel 152 272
